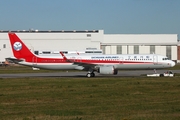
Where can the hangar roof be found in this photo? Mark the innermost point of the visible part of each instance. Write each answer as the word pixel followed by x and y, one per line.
pixel 49 31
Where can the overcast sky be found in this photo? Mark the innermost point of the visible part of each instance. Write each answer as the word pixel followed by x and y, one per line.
pixel 112 16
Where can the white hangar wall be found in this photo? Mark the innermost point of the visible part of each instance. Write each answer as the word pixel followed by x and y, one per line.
pixel 5 48
pixel 60 41
pixel 141 38
pixel 164 44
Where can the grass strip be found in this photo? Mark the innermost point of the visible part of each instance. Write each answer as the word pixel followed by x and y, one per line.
pixel 123 98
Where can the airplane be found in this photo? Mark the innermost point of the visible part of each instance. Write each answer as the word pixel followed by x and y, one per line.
pixel 103 64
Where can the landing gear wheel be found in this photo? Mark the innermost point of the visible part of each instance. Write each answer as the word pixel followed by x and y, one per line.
pixel 90 75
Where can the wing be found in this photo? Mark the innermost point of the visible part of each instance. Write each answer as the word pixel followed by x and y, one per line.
pixel 86 66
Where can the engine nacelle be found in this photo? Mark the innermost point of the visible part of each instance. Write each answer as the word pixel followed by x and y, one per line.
pixel 107 70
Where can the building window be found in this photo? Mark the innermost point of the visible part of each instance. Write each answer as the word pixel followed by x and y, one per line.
pixel 4 45
pixel 88 35
pixel 136 49
pixel 168 51
pixel 119 49
pixel 103 49
pixel 36 52
pixel 89 52
pixel 46 52
pixel 152 49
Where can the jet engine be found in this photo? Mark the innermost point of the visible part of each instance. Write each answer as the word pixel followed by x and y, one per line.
pixel 107 70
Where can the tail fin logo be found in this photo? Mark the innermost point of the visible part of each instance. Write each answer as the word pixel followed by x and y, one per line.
pixel 17 46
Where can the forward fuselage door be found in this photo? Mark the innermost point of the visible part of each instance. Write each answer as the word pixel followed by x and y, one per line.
pixel 155 59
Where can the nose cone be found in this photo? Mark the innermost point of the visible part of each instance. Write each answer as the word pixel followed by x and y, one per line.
pixel 173 64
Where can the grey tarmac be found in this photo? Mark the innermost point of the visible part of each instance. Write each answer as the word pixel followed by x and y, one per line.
pixel 127 73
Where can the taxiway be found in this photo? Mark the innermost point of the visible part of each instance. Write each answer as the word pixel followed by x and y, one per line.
pixel 131 73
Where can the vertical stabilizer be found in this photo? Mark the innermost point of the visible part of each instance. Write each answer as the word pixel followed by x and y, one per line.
pixel 19 49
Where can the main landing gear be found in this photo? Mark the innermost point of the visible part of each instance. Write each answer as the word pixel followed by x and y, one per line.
pixel 90 74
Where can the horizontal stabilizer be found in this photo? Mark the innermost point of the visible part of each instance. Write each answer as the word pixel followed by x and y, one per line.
pixel 14 60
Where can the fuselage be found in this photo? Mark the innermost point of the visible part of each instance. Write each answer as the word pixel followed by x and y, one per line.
pixel 129 61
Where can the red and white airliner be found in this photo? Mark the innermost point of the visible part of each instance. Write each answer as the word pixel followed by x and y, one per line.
pixel 103 64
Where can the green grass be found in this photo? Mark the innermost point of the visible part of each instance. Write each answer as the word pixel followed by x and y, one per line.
pixel 129 98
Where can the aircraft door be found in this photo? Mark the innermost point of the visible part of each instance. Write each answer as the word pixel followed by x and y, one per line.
pixel 34 60
pixel 121 60
pixel 155 59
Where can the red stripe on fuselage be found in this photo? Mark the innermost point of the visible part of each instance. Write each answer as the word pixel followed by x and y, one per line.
pixel 61 60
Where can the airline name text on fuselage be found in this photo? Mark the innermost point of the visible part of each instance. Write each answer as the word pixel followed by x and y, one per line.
pixel 117 57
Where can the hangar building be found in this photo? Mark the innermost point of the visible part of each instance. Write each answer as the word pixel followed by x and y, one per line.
pixel 164 44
